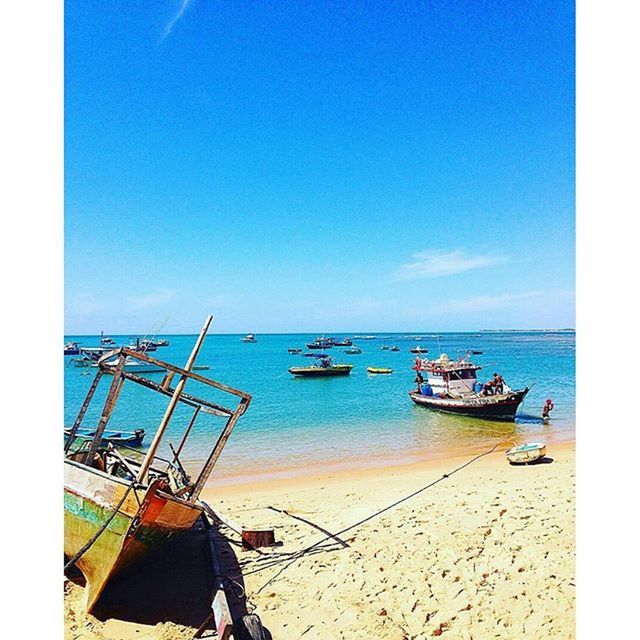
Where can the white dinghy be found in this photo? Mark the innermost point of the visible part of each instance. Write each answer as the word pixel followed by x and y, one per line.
pixel 526 453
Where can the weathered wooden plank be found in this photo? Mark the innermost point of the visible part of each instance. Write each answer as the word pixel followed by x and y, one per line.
pixel 83 410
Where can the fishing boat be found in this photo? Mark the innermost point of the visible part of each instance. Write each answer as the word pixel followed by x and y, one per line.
pixel 346 342
pixel 129 438
pixel 121 503
pixel 294 350
pixel 105 340
pixel 526 453
pixel 418 350
pixel 395 348
pixel 94 353
pixel 353 351
pixel 385 347
pixel 324 367
pixel 452 387
pixel 72 349
pixel 136 365
pixel 377 370
pixel 321 343
pixel 250 337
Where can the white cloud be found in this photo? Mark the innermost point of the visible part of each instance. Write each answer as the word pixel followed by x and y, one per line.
pixel 435 264
pixel 169 27
pixel 484 303
pixel 155 299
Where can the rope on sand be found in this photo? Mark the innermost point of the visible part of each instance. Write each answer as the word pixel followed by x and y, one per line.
pixel 299 554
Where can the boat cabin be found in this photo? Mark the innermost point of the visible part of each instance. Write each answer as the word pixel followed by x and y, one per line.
pixel 445 376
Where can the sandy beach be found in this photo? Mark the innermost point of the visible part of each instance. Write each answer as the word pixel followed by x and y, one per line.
pixel 486 553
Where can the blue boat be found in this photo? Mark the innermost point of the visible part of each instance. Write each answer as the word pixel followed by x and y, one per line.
pixel 129 438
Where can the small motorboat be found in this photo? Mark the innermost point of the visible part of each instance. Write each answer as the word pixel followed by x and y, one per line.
pixel 353 351
pixel 377 370
pixel 395 348
pixel 526 453
pixel 477 353
pixel 295 350
pixel 128 438
pixel 321 343
pixel 418 350
pixel 250 337
pixel 347 342
pixel 72 349
pixel 385 347
pixel 106 340
pixel 322 368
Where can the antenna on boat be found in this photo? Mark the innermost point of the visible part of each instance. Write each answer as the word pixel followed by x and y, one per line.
pixel 175 397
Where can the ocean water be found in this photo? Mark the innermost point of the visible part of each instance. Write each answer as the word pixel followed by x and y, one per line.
pixel 294 424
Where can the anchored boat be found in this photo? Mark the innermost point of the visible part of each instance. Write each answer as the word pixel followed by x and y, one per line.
pixel 321 343
pixel 120 503
pixel 377 370
pixel 72 349
pixel 452 387
pixel 323 367
pixel 250 337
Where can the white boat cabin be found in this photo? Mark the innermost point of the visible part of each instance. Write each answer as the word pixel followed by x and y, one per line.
pixel 447 376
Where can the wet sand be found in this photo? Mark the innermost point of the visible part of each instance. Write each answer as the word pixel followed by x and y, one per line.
pixel 486 553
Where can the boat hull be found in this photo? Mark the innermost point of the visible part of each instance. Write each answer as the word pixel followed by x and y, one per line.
pixel 321 372
pixel 146 518
pixel 501 407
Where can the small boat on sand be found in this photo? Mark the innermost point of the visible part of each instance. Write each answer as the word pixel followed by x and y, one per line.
pixel 452 387
pixel 377 370
pixel 128 438
pixel 526 453
pixel 324 367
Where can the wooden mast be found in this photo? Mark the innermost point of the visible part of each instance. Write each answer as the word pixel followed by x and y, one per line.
pixel 164 423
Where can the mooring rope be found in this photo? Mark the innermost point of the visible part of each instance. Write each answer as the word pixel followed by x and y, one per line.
pixel 299 554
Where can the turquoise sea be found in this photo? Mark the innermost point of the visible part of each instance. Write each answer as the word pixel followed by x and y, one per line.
pixel 295 424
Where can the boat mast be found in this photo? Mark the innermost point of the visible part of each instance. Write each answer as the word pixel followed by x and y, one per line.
pixel 164 423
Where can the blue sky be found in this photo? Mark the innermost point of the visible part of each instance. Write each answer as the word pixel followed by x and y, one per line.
pixel 315 166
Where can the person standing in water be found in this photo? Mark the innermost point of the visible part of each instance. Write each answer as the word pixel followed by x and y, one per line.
pixel 547 409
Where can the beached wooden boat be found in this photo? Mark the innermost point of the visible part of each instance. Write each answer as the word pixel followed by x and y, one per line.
pixel 452 387
pixel 118 506
pixel 377 370
pixel 128 438
pixel 525 453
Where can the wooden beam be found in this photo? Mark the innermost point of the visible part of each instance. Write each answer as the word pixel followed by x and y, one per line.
pixel 217 450
pixel 83 410
pixel 186 433
pixel 109 403
pixel 166 418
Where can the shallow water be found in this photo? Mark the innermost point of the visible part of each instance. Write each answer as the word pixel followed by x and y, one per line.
pixel 295 422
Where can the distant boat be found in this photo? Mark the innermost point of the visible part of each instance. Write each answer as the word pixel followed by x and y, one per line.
pixel 395 348
pixel 133 365
pixel 295 350
pixel 477 353
pixel 526 453
pixel 418 350
pixel 353 351
pixel 250 337
pixel 346 342
pixel 321 343
pixel 385 347
pixel 72 349
pixel 377 370
pixel 143 345
pixel 129 438
pixel 323 368
pixel 106 340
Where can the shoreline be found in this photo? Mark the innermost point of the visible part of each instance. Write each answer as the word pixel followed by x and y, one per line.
pixel 361 465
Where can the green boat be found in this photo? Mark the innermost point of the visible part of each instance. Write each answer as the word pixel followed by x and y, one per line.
pixel 323 368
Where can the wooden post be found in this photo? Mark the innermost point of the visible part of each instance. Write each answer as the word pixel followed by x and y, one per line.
pixel 217 450
pixel 109 403
pixel 164 423
pixel 83 410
